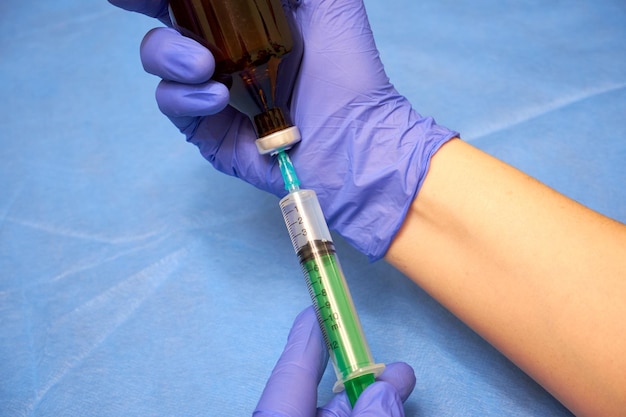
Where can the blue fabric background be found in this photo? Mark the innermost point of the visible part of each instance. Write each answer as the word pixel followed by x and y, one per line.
pixel 137 281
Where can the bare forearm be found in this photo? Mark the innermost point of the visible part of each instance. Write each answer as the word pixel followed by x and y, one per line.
pixel 539 276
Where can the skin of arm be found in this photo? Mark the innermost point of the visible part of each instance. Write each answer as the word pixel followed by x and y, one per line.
pixel 537 275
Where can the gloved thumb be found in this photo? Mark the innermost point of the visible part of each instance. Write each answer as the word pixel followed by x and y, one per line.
pixel 379 399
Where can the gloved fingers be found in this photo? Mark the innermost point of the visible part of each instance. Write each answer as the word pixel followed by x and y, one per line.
pixel 379 399
pixel 224 136
pixel 292 387
pixel 152 8
pixel 226 140
pixel 401 376
pixel 168 54
pixel 186 92
pixel 338 406
pixel 383 398
pixel 183 103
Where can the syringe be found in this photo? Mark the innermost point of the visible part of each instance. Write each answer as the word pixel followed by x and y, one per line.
pixel 350 354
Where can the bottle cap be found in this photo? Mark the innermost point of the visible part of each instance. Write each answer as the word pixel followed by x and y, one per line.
pixel 278 141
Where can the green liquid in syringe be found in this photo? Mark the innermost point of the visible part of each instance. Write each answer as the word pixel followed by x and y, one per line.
pixel 336 314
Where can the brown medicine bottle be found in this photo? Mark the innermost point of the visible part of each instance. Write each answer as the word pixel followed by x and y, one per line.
pixel 257 52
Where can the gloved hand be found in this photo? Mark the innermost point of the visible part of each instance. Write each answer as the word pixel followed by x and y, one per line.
pixel 292 387
pixel 364 149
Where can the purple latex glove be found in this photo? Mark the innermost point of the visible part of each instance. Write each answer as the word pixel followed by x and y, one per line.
pixel 364 149
pixel 292 387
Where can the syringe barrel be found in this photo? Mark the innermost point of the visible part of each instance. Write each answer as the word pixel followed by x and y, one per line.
pixel 340 324
pixel 304 218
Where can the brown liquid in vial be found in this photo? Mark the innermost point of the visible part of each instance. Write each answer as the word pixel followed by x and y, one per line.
pixel 254 48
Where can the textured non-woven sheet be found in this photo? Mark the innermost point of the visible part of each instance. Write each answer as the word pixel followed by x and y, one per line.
pixel 137 281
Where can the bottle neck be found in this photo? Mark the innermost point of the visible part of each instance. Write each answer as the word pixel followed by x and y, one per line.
pixel 271 121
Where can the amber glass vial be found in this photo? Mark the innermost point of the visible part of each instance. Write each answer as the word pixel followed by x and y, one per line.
pixel 257 53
